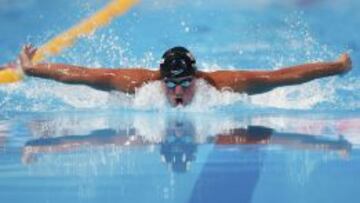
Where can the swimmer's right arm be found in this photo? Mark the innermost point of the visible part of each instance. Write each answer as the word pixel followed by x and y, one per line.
pixel 125 80
pixel 70 74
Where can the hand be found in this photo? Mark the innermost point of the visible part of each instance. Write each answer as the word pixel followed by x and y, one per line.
pixel 345 60
pixel 26 55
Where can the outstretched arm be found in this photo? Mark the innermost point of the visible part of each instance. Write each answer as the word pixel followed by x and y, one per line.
pixel 264 135
pixel 125 80
pixel 255 82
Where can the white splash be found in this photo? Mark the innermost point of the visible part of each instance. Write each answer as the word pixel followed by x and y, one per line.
pixel 150 96
pixel 305 96
pixel 208 97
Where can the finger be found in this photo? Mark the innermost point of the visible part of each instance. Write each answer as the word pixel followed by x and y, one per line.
pixel 28 48
pixel 33 52
pixel 33 49
pixel 32 46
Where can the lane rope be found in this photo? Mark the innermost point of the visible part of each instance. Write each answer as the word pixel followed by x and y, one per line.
pixel 10 75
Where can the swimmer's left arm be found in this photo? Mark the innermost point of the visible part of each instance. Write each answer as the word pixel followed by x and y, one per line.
pixel 307 72
pixel 256 82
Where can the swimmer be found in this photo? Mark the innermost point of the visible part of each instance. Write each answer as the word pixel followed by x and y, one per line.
pixel 178 74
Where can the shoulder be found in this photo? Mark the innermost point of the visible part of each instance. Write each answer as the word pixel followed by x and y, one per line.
pixel 216 78
pixel 227 79
pixel 127 80
pixel 140 74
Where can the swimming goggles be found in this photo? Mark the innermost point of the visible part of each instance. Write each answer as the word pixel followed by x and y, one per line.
pixel 173 83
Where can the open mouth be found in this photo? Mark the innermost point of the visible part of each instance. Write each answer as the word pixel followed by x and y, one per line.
pixel 179 101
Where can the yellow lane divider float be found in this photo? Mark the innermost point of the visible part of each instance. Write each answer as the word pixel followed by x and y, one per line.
pixel 10 75
pixel 101 18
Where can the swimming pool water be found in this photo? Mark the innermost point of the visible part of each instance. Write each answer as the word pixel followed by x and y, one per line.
pixel 72 143
pixel 180 157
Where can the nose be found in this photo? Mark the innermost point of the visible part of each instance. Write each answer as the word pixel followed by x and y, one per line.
pixel 178 90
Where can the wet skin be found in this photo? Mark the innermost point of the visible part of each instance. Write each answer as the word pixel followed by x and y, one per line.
pixel 180 94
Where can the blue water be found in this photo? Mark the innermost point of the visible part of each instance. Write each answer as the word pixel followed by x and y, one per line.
pixel 72 143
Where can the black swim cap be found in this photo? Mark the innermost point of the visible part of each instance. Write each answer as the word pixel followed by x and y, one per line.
pixel 177 62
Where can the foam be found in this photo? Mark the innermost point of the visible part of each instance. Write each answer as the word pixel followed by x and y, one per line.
pixel 305 96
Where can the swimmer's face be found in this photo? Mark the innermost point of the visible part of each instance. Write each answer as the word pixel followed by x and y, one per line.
pixel 179 91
